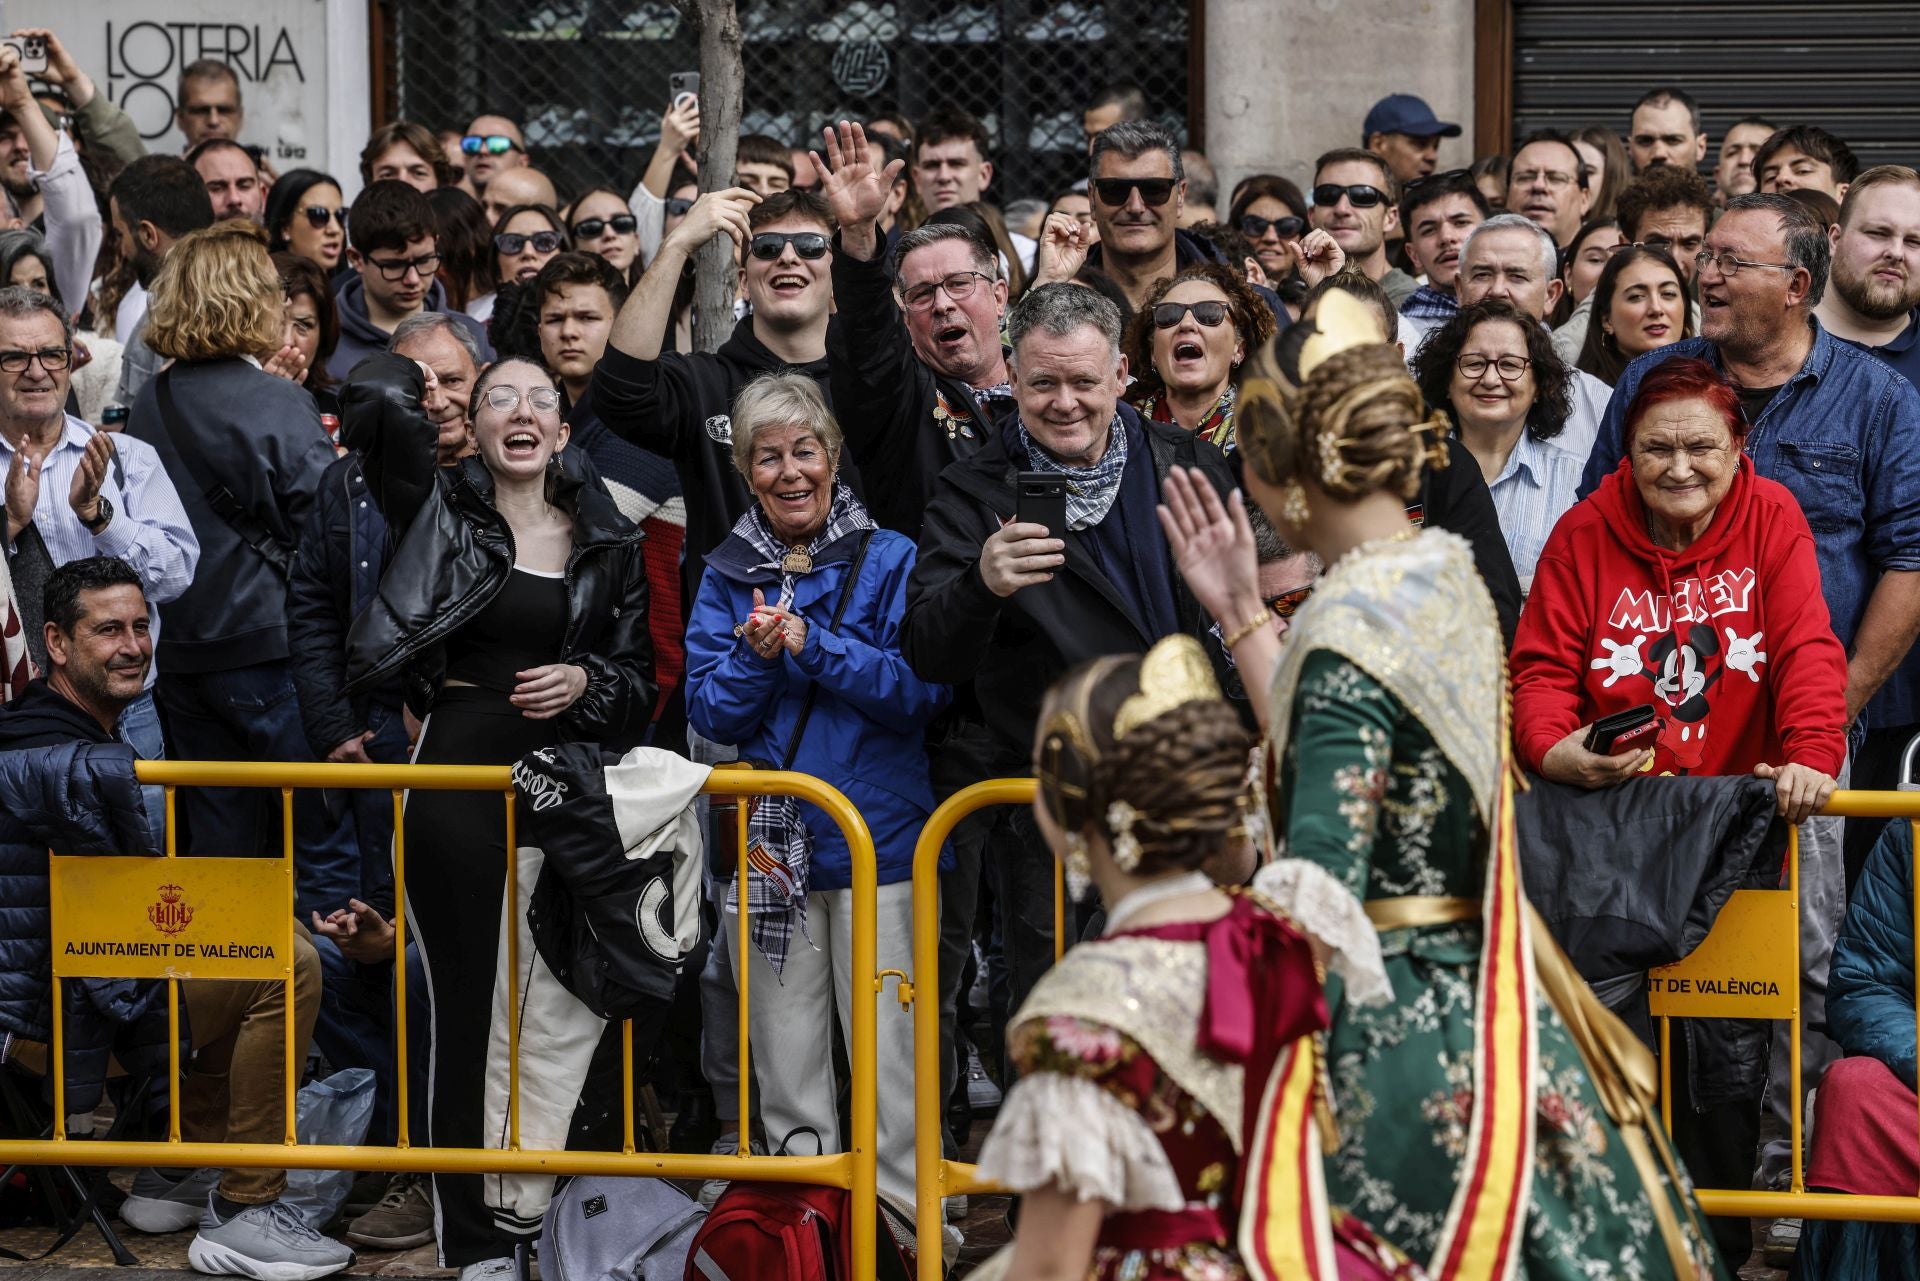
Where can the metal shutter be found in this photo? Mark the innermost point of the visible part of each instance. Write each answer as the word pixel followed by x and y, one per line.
pixel 1853 68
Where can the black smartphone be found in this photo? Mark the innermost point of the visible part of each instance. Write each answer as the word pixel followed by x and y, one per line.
pixel 1040 498
pixel 1624 731
pixel 682 83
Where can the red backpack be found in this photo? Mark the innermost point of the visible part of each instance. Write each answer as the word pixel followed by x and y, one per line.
pixel 789 1232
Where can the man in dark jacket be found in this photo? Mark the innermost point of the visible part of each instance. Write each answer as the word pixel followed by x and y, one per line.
pixel 1012 606
pixel 393 250
pixel 681 405
pixel 918 373
pixel 66 781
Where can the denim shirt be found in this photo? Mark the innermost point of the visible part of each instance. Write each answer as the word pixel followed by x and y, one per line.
pixel 1841 436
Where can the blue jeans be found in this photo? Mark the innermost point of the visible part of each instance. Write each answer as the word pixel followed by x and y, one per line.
pixel 140 730
pixel 368 812
pixel 253 714
pixel 356 1027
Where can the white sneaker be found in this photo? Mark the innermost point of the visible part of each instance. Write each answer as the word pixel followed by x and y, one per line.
pixel 488 1269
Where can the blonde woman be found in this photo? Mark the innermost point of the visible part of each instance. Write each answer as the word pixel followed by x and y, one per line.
pixel 225 428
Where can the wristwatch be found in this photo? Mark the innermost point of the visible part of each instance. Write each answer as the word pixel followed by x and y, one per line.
pixel 101 518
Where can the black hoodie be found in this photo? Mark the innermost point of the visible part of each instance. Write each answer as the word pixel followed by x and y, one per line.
pixel 681 406
pixel 44 717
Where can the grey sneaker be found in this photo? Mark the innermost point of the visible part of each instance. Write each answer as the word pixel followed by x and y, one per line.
pixel 402 1219
pixel 167 1200
pixel 267 1242
pixel 983 1096
pixel 710 1190
pixel 1783 1240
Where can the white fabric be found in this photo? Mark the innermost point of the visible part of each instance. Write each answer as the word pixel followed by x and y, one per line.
pixel 481 308
pixel 1590 397
pixel 652 793
pixel 131 311
pixel 1067 1132
pixel 74 230
pixel 650 212
pixel 790 1021
pixel 1319 904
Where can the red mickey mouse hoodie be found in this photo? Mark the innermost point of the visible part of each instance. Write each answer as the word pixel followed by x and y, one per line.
pixel 1729 640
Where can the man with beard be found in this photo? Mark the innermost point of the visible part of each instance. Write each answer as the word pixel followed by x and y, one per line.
pixel 1547 182
pixel 1665 130
pixel 42 174
pixel 1353 201
pixel 155 201
pixel 233 179
pixel 1437 214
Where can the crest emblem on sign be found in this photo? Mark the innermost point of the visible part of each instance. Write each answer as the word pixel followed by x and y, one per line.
pixel 172 913
pixel 861 67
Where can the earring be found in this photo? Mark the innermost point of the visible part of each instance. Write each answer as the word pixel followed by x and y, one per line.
pixel 1293 505
pixel 1079 868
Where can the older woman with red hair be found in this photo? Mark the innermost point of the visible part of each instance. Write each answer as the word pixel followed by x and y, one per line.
pixel 1686 583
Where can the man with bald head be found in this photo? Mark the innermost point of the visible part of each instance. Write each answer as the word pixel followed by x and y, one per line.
pixel 523 185
pixel 492 145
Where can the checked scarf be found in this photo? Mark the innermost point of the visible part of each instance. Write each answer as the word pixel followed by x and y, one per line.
pixel 779 847
pixel 1428 303
pixel 1091 491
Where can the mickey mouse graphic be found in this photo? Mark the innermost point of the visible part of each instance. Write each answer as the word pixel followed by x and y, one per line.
pixel 1681 673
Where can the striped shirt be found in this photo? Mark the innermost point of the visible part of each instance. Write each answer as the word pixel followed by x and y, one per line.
pixel 1538 484
pixel 149 529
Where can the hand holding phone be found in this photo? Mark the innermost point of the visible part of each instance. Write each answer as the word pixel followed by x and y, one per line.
pixel 1040 498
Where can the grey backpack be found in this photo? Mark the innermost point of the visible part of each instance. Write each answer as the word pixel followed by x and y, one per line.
pixel 602 1228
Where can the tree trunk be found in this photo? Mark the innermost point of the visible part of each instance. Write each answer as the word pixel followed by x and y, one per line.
pixel 716 275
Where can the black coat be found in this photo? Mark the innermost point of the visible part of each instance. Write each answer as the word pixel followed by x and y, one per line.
pixel 956 630
pixel 457 553
pixel 885 396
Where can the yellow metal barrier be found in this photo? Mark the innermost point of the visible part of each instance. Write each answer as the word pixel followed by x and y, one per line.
pixel 111 897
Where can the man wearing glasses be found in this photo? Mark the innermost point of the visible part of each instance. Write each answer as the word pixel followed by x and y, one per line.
pixel 1548 183
pixel 392 249
pixel 492 145
pixel 1836 427
pixel 76 493
pixel 1353 201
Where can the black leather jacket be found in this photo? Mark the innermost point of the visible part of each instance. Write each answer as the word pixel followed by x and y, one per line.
pixel 455 552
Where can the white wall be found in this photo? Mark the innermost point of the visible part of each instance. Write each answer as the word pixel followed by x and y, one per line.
pixel 1289 79
pixel 302 64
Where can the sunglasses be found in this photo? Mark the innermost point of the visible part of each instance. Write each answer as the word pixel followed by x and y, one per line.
pixel 769 245
pixel 1116 191
pixel 1253 226
pixel 1209 313
pixel 492 144
pixel 590 228
pixel 318 216
pixel 678 207
pixel 1360 196
pixel 1286 604
pixel 543 242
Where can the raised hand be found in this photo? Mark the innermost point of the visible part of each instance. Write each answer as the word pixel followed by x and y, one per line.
pixel 62 69
pixel 84 496
pixel 853 189
pixel 1315 256
pixel 1062 251
pixel 680 126
pixel 1212 544
pixel 1018 556
pixel 712 214
pixel 23 491
pixel 286 363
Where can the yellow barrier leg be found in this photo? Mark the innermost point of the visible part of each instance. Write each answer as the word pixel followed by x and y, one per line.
pixel 865 1055
pixel 59 1064
pixel 929 1166
pixel 1666 1075
pixel 400 957
pixel 741 981
pixel 513 983
pixel 289 1072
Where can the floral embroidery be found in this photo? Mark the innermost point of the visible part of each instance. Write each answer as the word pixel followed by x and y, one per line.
pixel 1089 1042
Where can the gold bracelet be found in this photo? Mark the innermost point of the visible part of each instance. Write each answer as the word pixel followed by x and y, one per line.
pixel 1252 625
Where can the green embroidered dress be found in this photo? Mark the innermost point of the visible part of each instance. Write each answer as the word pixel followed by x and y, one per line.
pixel 1386 712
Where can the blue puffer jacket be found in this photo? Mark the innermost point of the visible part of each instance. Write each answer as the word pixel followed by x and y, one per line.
pixel 865 732
pixel 1870 987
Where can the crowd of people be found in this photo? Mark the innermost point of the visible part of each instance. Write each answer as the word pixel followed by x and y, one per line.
pixel 448 473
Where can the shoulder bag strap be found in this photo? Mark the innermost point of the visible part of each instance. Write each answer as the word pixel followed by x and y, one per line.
pixel 252 531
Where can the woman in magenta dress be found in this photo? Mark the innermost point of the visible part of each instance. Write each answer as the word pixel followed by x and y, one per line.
pixel 1166 1123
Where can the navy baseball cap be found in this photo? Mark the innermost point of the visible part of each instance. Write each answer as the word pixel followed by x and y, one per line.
pixel 1404 113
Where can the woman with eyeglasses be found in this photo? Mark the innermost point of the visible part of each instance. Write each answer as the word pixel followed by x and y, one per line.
pixel 306 215
pixel 1187 344
pixel 1270 211
pixel 600 222
pixel 515 613
pixel 1492 369
pixel 1640 302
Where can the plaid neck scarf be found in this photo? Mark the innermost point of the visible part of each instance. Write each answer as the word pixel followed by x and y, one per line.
pixel 1215 426
pixel 779 847
pixel 1091 491
pixel 1428 303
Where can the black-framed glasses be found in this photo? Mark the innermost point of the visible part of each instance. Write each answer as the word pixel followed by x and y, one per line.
pixel 52 359
pixel 959 285
pixel 1730 263
pixel 543 242
pixel 1253 226
pixel 1287 604
pixel 504 399
pixel 769 245
pixel 677 207
pixel 394 269
pixel 592 228
pixel 1361 195
pixel 1115 192
pixel 492 144
pixel 1507 367
pixel 1208 312
pixel 318 216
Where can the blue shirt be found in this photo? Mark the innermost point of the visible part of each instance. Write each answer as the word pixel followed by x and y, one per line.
pixel 1841 436
pixel 1902 355
pixel 1531 494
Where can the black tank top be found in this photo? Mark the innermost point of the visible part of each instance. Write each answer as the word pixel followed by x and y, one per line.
pixel 522 627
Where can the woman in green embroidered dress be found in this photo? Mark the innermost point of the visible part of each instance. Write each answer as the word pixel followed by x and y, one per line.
pixel 1383 709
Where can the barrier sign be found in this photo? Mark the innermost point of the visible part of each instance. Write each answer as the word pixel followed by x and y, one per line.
pixel 153 918
pixel 1744 969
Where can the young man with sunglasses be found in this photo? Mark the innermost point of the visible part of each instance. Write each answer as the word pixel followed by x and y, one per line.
pixel 492 145
pixel 392 249
pixel 1353 201
pixel 680 404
